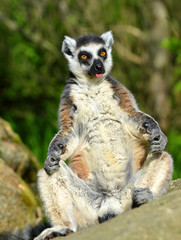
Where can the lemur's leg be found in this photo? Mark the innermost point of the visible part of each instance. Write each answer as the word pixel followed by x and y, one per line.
pixel 68 201
pixel 57 202
pixel 153 179
pixel 150 182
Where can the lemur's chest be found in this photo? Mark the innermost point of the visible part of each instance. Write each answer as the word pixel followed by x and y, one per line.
pixel 99 126
pixel 96 105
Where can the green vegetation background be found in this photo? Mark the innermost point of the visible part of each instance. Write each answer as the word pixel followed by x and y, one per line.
pixel 33 70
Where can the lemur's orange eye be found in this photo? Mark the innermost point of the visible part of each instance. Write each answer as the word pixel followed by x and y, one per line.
pixel 83 56
pixel 103 53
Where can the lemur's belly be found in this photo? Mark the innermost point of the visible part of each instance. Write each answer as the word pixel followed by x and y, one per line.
pixel 108 155
pixel 101 134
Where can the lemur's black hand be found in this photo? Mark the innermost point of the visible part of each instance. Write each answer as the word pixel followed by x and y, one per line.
pixel 156 137
pixel 52 162
pixel 158 141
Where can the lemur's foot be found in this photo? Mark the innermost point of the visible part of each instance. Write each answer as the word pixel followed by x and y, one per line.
pixel 106 217
pixel 141 196
pixel 53 232
pixel 58 234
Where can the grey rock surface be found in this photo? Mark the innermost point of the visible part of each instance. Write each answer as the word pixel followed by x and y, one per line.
pixel 157 220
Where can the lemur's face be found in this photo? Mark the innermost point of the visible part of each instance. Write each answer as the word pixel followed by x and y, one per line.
pixel 90 55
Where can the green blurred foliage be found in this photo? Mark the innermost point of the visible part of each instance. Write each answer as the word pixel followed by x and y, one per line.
pixel 173 44
pixel 33 70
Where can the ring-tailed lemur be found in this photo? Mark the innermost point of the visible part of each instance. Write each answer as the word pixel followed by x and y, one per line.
pixel 115 151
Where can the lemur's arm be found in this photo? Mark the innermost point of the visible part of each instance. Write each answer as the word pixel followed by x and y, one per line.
pixel 139 124
pixel 59 149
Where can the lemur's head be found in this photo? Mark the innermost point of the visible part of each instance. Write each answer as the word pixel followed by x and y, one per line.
pixel 89 56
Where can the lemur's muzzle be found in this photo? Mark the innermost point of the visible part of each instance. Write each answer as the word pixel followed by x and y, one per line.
pixel 97 68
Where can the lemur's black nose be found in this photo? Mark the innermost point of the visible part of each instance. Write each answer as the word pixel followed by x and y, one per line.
pixel 96 68
pixel 98 65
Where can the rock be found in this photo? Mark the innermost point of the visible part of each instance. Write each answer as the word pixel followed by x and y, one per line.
pixel 159 219
pixel 18 166
pixel 15 154
pixel 175 185
pixel 18 203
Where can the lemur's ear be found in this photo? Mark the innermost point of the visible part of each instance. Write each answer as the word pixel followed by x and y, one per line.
pixel 108 38
pixel 68 47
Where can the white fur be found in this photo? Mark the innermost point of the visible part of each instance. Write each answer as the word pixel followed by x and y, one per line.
pixel 108 148
pixel 108 38
pixel 69 43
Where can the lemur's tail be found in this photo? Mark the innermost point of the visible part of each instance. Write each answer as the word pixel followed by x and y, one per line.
pixel 28 233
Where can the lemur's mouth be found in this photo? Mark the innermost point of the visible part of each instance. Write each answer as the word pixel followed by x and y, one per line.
pixel 97 69
pixel 98 75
